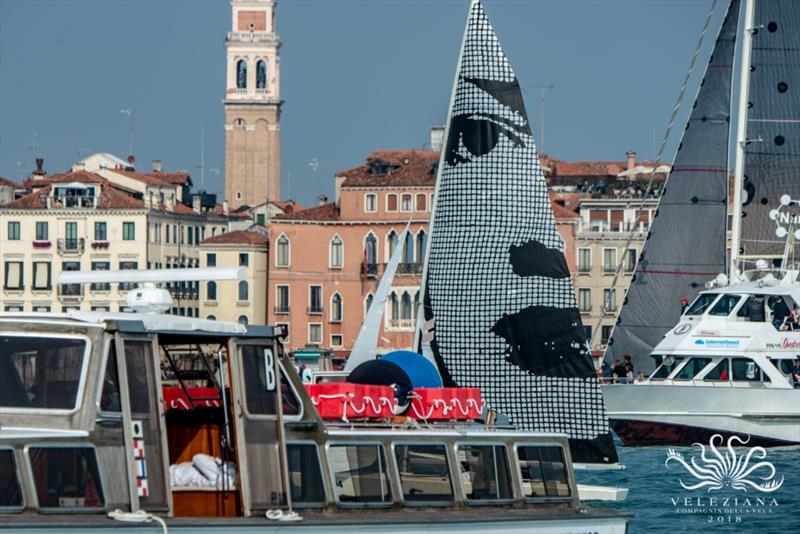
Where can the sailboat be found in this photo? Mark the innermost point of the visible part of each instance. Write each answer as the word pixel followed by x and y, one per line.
pixel 722 364
pixel 498 303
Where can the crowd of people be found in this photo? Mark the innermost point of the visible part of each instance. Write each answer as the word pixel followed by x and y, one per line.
pixel 621 372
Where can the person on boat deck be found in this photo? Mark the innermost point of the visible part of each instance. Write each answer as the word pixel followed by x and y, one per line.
pixel 723 375
pixel 618 373
pixel 755 309
pixel 628 372
pixel 780 312
pixel 684 304
pixel 640 379
pixel 796 373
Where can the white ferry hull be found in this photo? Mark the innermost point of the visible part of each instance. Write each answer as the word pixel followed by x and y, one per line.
pixel 673 414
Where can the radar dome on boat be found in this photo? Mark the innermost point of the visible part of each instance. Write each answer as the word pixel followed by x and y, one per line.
pixel 420 370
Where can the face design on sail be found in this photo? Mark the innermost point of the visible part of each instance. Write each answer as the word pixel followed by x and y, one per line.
pixel 498 299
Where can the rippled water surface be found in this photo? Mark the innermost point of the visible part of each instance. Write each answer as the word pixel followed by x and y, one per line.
pixel 660 504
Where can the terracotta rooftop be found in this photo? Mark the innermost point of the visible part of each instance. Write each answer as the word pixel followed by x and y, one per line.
pixel 83 177
pixel 110 198
pixel 561 213
pixel 248 237
pixel 326 212
pixel 156 178
pixel 394 168
pixel 9 183
pixel 571 201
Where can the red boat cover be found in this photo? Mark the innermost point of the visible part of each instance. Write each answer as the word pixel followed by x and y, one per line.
pixel 446 404
pixel 342 401
pixel 176 399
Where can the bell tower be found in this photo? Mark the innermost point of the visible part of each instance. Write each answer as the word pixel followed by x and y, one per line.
pixel 252 105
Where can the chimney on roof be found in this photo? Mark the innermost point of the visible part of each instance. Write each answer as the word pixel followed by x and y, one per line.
pixel 131 159
pixel 225 207
pixel 39 173
pixel 197 203
pixel 338 181
pixel 323 199
pixel 156 165
pixel 630 162
pixel 437 138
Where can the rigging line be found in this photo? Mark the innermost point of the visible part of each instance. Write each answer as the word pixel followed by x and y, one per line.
pixel 676 108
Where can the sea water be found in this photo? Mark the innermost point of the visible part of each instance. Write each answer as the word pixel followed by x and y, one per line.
pixel 661 504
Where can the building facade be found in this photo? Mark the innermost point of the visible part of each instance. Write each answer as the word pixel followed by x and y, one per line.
pixel 252 105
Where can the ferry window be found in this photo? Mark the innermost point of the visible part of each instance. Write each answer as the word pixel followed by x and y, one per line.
pixel 667 366
pixel 66 477
pixel 746 370
pixel 725 305
pixel 10 491
pixel 484 472
pixel 424 473
pixel 305 476
pixel 721 372
pixel 259 380
pixel 40 372
pixel 136 354
pixel 701 304
pixel 291 404
pixel 359 474
pixel 543 472
pixel 692 368
pixel 109 393
pixel 784 366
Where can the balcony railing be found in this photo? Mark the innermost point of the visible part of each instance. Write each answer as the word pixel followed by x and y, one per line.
pixel 71 246
pixel 72 201
pixel 70 291
pixel 281 309
pixel 252 37
pixel 409 268
pixel 102 286
pixel 370 269
pixel 315 310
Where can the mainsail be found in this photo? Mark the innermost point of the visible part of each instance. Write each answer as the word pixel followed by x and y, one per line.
pixel 686 244
pixel 772 153
pixel 497 289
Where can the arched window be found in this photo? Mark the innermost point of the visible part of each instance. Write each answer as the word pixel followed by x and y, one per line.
pixel 408 249
pixel 371 249
pixel 405 306
pixel 242 319
pixel 395 306
pixel 416 305
pixel 283 252
pixel 391 243
pixel 336 308
pixel 211 291
pixel 422 242
pixel 337 256
pixel 368 303
pixel 241 74
pixel 211 318
pixel 243 290
pixel 261 74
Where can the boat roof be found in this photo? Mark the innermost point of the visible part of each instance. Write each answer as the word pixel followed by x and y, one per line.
pixel 760 287
pixel 144 322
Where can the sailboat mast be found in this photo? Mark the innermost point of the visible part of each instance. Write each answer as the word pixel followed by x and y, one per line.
pixel 741 132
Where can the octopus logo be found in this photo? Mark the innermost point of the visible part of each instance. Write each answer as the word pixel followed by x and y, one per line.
pixel 727 468
pixel 786 218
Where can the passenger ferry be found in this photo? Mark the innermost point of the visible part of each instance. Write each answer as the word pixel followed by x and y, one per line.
pixel 725 368
pixel 92 437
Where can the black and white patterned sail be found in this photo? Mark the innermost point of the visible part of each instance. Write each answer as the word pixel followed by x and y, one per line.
pixel 772 155
pixel 498 293
pixel 686 243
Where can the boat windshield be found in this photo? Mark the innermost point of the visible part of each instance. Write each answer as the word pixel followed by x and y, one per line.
pixel 669 364
pixel 701 304
pixel 725 305
pixel 40 372
pixel 692 368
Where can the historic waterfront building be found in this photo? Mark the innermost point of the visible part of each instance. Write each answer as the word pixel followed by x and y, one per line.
pixel 252 105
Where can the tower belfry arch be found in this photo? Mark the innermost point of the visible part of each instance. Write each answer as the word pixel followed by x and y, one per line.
pixel 252 105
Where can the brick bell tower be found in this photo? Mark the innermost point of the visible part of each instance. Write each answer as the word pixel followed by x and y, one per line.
pixel 252 105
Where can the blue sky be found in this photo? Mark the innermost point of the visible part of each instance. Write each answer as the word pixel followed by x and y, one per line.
pixel 356 76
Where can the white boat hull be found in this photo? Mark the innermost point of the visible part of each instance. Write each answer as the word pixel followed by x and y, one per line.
pixel 681 414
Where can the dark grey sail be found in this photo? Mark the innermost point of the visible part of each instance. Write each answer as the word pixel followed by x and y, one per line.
pixel 686 244
pixel 497 289
pixel 772 155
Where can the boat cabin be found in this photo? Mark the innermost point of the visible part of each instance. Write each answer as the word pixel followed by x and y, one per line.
pixel 185 417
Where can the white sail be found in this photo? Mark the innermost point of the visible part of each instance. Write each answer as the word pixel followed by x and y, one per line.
pixel 366 346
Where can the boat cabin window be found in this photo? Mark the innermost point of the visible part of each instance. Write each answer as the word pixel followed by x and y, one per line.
pixel 484 473
pixel 725 305
pixel 291 402
pixel 259 379
pixel 701 304
pixel 543 471
pixel 746 370
pixel 720 372
pixel 66 478
pixel 784 365
pixel 109 391
pixel 41 372
pixel 784 312
pixel 10 491
pixel 692 368
pixel 136 356
pixel 305 475
pixel 424 473
pixel 359 474
pixel 753 309
pixel 668 364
